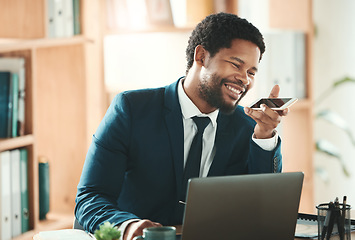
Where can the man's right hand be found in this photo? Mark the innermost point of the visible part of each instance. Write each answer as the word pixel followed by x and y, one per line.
pixel 136 228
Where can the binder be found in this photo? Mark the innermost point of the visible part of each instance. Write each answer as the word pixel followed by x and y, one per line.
pixel 51 18
pixel 68 10
pixel 17 65
pixel 283 63
pixel 15 192
pixel 76 17
pixel 5 81
pixel 5 196
pixel 15 98
pixel 24 190
pixel 58 18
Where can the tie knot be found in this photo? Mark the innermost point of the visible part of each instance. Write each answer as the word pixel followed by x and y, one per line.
pixel 201 123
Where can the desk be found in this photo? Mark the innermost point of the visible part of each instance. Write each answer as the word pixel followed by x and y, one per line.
pixel 179 231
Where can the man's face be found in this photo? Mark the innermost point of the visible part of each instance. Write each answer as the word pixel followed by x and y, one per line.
pixel 226 77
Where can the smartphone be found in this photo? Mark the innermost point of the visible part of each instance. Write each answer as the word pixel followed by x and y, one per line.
pixel 273 103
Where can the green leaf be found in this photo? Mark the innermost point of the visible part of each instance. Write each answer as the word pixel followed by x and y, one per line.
pixel 330 149
pixel 342 81
pixel 331 88
pixel 107 231
pixel 323 174
pixel 335 119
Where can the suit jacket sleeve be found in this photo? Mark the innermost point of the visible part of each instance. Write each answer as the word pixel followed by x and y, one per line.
pixel 262 161
pixel 247 157
pixel 104 170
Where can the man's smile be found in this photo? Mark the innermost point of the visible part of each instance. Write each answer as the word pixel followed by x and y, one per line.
pixel 235 91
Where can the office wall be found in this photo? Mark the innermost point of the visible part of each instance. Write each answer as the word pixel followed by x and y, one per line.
pixel 144 60
pixel 334 51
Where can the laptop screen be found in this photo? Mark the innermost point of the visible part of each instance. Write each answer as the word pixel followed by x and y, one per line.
pixel 254 206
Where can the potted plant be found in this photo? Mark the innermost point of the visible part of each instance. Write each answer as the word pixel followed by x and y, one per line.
pixel 323 145
pixel 107 231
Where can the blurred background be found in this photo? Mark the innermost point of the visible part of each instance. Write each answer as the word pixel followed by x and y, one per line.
pixel 75 55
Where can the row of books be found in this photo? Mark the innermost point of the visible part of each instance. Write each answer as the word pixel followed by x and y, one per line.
pixel 63 18
pixel 14 204
pixel 12 97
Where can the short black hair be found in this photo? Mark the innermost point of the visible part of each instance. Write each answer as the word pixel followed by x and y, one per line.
pixel 217 31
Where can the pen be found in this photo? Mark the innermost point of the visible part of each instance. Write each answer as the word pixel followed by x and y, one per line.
pixel 338 218
pixel 342 220
pixel 326 222
pixel 332 217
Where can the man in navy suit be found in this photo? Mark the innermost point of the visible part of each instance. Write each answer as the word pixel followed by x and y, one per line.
pixel 133 172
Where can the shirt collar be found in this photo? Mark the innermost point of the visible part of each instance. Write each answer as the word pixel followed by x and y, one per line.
pixel 189 109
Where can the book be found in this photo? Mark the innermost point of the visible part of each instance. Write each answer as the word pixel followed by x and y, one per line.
pixel 5 81
pixel 16 65
pixel 25 223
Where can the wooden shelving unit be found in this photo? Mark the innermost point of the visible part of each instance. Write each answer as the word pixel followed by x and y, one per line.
pixel 64 101
pixel 298 145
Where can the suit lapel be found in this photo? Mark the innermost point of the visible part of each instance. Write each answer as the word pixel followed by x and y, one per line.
pixel 173 119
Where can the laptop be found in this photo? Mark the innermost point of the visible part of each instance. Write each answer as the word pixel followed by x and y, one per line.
pixel 253 207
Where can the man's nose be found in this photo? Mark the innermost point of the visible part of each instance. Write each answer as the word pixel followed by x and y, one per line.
pixel 244 78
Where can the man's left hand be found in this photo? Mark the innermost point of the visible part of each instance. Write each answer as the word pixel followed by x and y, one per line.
pixel 267 120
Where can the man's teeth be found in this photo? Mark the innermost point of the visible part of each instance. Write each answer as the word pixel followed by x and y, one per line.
pixel 234 89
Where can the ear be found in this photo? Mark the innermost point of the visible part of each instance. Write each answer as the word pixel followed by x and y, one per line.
pixel 200 55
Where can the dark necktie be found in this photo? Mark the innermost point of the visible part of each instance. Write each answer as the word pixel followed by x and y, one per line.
pixel 192 167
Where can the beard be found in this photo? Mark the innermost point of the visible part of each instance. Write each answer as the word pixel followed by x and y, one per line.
pixel 210 90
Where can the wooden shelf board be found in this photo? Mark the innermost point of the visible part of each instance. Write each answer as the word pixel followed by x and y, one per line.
pixel 17 142
pixel 149 30
pixel 302 104
pixel 16 44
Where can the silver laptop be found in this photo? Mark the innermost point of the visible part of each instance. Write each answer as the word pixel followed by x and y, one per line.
pixel 253 207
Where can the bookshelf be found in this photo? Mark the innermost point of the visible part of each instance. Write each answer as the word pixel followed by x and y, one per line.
pixel 64 101
pixel 298 143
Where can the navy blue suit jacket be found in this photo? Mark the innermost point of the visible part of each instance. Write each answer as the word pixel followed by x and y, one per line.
pixel 134 166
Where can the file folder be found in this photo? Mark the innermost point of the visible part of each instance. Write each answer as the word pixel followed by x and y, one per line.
pixel 5 196
pixel 24 190
pixel 15 193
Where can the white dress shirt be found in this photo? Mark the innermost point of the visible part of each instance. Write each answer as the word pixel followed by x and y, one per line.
pixel 189 110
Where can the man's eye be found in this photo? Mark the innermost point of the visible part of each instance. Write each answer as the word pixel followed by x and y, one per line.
pixel 252 73
pixel 235 65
